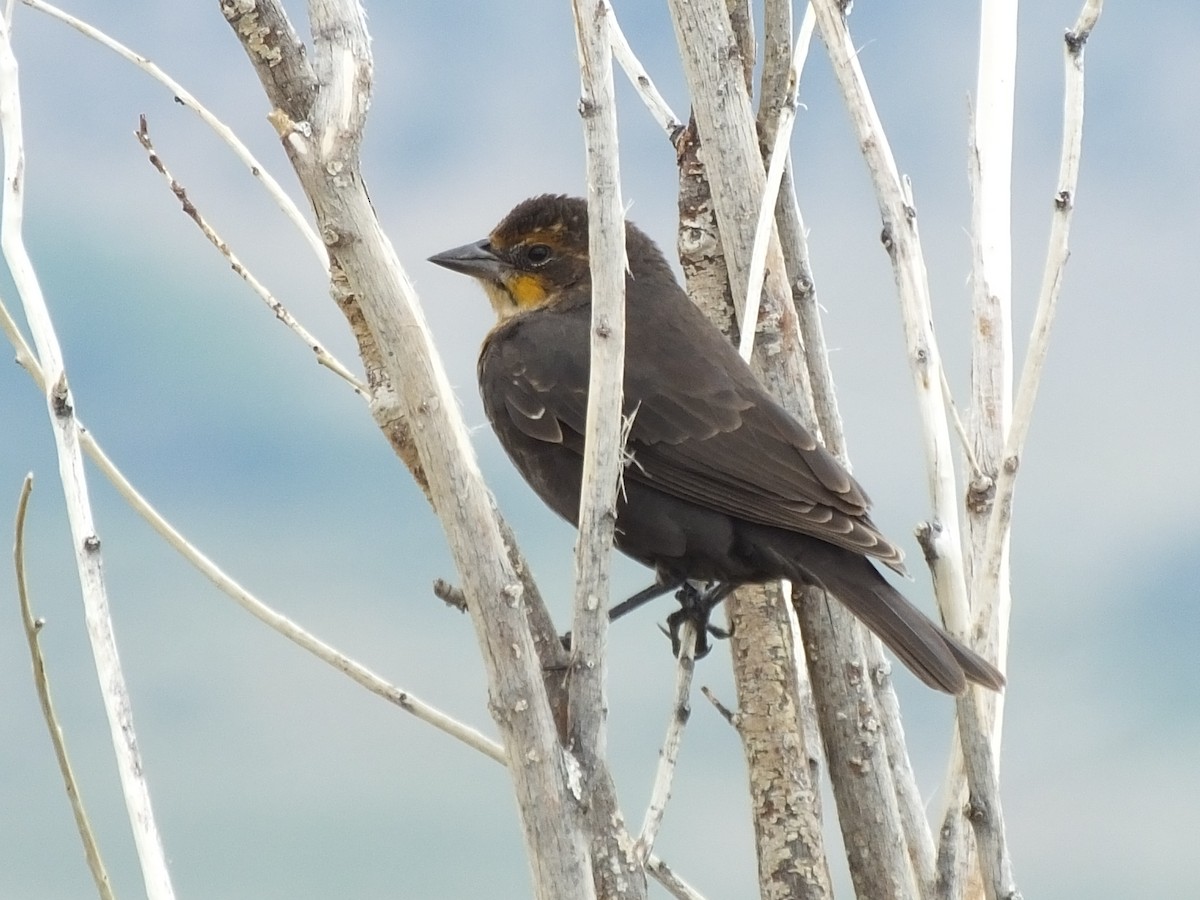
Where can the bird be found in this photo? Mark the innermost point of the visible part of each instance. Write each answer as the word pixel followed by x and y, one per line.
pixel 721 484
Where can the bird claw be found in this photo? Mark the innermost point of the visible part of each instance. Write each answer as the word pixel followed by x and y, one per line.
pixel 696 606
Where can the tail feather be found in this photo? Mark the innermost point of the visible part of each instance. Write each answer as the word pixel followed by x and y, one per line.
pixel 938 659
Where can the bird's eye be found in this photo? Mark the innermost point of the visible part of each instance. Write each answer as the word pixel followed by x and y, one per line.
pixel 538 254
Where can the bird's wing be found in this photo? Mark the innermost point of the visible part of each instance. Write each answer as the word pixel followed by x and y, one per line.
pixel 703 428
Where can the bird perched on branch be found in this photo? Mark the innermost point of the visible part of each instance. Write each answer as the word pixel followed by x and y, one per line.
pixel 723 485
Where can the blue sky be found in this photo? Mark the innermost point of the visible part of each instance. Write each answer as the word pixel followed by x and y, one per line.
pixel 273 776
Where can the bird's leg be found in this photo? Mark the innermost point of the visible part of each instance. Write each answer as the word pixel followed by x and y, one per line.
pixel 644 596
pixel 696 606
pixel 641 598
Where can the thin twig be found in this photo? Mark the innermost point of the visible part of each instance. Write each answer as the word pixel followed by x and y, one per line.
pixel 640 79
pixel 668 756
pixel 902 241
pixel 724 711
pixel 449 594
pixel 280 623
pixel 265 614
pixel 324 357
pixel 775 169
pixel 603 449
pixel 959 428
pixel 41 682
pixel 223 131
pixel 674 885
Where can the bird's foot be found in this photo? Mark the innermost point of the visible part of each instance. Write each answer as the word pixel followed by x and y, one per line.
pixel 641 598
pixel 696 606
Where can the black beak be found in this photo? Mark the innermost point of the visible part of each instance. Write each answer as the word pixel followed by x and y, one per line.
pixel 476 260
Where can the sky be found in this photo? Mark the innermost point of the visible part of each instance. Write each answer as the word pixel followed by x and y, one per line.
pixel 272 775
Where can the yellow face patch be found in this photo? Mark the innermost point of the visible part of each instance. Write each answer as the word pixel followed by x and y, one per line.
pixel 528 291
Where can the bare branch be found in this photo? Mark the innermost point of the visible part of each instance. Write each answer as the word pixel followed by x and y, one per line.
pixel 724 711
pixel 784 796
pixel 1056 261
pixel 990 575
pixel 778 161
pixel 616 868
pixel 668 756
pixel 321 130
pixel 734 166
pixel 223 131
pixel 990 170
pixel 603 447
pixel 41 682
pixel 324 357
pixel 903 244
pixel 640 78
pixel 674 885
pixel 86 542
pixel 902 241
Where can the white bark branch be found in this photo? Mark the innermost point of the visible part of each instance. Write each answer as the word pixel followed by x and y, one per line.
pixel 941 539
pixel 616 869
pixel 319 114
pixel 61 408
pixel 668 756
pixel 990 170
pixel 1056 261
pixel 777 164
pixel 640 78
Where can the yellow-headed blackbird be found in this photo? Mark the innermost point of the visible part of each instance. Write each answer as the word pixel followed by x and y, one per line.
pixel 723 484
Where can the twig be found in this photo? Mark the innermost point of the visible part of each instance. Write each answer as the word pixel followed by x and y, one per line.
pixel 282 624
pixel 324 357
pixel 724 711
pixel 640 78
pixel 86 543
pixel 450 595
pixel 223 131
pixel 775 169
pixel 674 885
pixel 961 430
pixel 265 614
pixel 41 682
pixel 902 241
pixel 603 451
pixel 668 756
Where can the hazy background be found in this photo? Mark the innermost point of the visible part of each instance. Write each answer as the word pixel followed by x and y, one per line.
pixel 273 776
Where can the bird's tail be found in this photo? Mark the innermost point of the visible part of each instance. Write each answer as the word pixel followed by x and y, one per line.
pixel 935 657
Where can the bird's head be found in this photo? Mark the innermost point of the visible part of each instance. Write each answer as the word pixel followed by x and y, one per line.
pixel 532 259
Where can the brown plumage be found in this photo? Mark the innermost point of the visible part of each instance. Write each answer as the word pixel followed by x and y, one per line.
pixel 724 484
